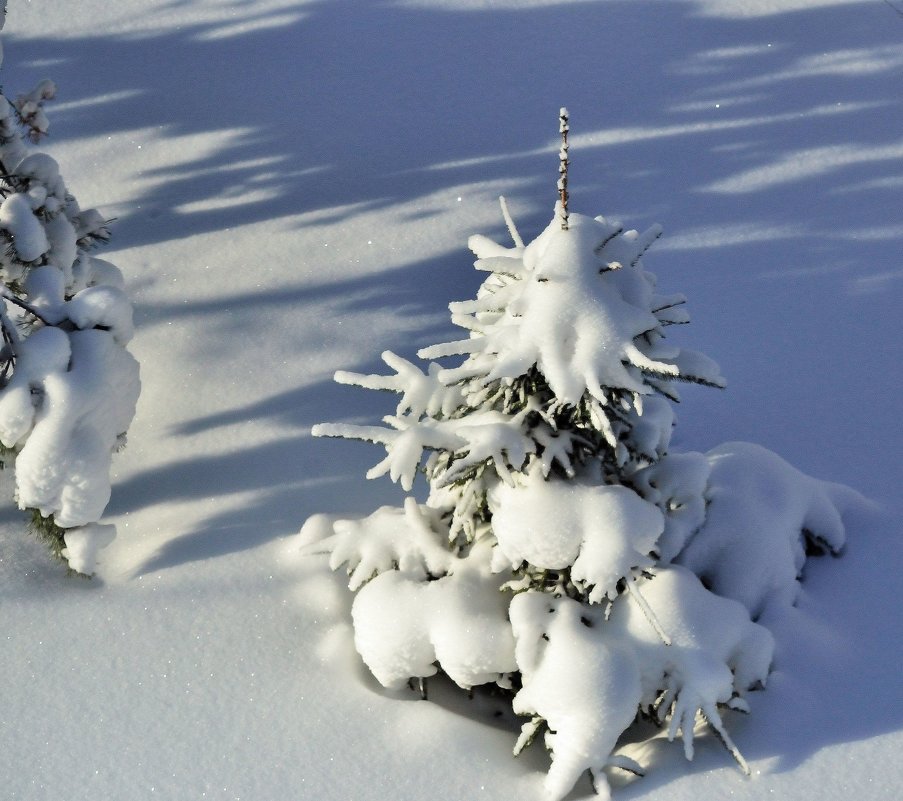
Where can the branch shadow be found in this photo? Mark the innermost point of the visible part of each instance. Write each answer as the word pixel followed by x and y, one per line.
pixel 366 121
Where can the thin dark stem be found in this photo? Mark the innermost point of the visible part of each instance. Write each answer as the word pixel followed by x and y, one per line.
pixel 7 295
pixel 563 163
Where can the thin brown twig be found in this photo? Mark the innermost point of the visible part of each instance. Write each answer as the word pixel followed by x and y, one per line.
pixel 24 305
pixel 563 163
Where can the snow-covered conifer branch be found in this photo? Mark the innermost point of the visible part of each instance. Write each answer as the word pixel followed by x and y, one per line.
pixel 422 392
pixel 512 228
pixel 30 109
pixel 408 539
pixel 7 295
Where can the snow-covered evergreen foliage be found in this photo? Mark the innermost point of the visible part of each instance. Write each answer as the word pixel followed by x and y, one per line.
pixel 68 386
pixel 564 552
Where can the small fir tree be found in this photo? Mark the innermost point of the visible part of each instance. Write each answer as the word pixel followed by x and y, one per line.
pixel 68 386
pixel 560 548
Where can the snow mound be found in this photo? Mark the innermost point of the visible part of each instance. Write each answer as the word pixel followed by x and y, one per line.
pixel 762 515
pixel 602 533
pixel 573 304
pixel 63 468
pixel 583 684
pixel 405 627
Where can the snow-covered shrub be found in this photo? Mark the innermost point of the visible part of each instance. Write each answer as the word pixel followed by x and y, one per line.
pixel 564 552
pixel 68 386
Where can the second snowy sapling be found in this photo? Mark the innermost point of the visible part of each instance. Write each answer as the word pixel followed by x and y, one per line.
pixel 68 386
pixel 564 552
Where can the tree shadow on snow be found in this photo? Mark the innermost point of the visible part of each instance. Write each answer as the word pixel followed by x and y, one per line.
pixel 292 477
pixel 361 104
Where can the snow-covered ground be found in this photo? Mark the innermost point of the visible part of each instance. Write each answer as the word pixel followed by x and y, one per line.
pixel 294 184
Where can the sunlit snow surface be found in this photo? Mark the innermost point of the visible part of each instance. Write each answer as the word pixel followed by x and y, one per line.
pixel 294 186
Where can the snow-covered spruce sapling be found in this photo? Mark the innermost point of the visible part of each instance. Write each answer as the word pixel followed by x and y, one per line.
pixel 68 386
pixel 564 552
